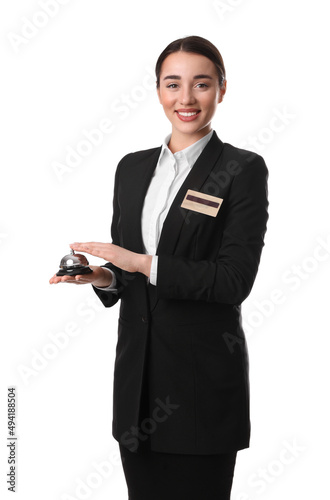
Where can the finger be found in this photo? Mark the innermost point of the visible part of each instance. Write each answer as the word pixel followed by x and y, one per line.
pixel 79 279
pixel 55 279
pixel 73 283
pixel 83 278
pixel 97 249
pixel 90 245
pixel 84 247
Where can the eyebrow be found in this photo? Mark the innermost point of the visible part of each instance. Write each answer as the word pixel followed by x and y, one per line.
pixel 177 77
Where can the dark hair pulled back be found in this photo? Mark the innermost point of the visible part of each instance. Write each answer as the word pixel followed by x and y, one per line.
pixel 196 45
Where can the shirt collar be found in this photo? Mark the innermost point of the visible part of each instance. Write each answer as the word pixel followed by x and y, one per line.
pixel 191 153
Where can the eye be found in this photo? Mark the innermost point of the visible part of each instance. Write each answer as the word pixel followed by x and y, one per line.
pixel 172 86
pixel 202 85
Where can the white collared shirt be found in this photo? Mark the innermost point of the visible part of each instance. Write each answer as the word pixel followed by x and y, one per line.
pixel 169 175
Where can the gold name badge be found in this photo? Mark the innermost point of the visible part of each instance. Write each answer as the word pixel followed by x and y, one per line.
pixel 202 203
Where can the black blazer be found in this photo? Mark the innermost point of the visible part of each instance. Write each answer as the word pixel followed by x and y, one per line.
pixel 181 378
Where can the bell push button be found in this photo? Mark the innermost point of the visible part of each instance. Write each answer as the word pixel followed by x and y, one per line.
pixel 73 264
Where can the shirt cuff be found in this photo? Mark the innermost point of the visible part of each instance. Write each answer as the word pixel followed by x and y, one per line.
pixel 153 270
pixel 112 286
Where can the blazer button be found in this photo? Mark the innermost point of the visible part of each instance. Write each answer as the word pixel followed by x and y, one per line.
pixel 144 319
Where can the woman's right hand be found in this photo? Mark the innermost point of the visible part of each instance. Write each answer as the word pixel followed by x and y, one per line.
pixel 99 277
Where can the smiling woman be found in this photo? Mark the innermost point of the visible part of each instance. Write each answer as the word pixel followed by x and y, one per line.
pixel 189 86
pixel 188 227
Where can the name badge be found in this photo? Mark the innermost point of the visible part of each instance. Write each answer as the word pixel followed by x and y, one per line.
pixel 202 203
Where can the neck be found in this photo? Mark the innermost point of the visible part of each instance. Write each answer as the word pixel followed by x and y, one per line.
pixel 178 142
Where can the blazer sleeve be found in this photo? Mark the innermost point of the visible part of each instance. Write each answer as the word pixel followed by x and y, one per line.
pixel 110 298
pixel 230 277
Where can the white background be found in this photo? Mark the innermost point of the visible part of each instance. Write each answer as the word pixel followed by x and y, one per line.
pixel 78 69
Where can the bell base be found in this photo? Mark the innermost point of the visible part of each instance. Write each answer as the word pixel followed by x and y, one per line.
pixel 74 271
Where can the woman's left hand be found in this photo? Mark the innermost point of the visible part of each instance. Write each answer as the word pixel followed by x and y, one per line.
pixel 120 257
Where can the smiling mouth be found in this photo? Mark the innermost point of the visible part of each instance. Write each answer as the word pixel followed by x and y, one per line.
pixel 187 113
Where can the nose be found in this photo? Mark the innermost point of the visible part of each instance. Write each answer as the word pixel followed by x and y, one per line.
pixel 187 96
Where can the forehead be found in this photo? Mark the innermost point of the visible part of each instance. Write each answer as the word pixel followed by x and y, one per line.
pixel 181 63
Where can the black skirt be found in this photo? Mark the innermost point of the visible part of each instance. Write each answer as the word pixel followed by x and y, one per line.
pixel 151 475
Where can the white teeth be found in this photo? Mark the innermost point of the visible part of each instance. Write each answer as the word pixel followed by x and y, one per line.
pixel 187 114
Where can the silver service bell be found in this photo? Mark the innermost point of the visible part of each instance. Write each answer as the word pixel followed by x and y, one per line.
pixel 73 264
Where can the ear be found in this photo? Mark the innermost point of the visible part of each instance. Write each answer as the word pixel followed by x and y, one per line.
pixel 222 91
pixel 159 96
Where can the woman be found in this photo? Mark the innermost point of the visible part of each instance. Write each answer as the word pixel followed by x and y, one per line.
pixel 188 227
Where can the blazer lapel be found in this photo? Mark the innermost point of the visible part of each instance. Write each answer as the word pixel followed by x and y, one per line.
pixel 194 180
pixel 138 178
